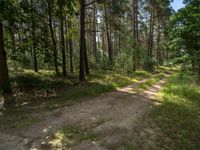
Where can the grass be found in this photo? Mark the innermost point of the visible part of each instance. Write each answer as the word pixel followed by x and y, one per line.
pixel 36 93
pixel 179 114
pixel 50 92
pixel 175 122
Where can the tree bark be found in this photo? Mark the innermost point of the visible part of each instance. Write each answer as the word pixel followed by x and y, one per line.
pixel 82 41
pixel 4 77
pixel 53 39
pixel 62 41
pixel 35 62
pixel 135 32
pixel 158 44
pixel 110 50
pixel 94 33
pixel 151 31
pixel 71 55
pixel 86 60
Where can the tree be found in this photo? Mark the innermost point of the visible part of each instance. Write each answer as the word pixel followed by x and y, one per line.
pixel 151 30
pixel 184 34
pixel 60 4
pixel 4 78
pixel 135 31
pixel 108 32
pixel 71 46
pixel 33 28
pixel 118 33
pixel 82 41
pixel 50 6
pixel 94 31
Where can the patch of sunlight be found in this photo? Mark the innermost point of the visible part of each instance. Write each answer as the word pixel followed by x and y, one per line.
pixel 29 71
pixel 143 72
pixel 159 96
pixel 134 80
pixel 33 149
pixel 127 89
pixel 56 143
pixel 58 139
pixel 59 135
pixel 45 130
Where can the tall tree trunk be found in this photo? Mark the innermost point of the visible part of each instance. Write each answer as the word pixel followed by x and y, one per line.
pixel 82 41
pixel 158 44
pixel 103 43
pixel 86 59
pixel 70 47
pixel 35 62
pixel 5 87
pixel 62 41
pixel 55 54
pixel 71 55
pixel 135 32
pixel 94 32
pixel 4 78
pixel 151 32
pixel 67 36
pixel 110 50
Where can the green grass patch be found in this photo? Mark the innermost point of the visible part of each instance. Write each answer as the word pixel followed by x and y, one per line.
pixel 175 122
pixel 178 116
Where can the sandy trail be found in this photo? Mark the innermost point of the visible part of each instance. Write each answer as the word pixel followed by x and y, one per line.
pixel 113 113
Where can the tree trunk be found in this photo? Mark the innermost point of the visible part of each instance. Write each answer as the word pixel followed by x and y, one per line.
pixel 4 78
pixel 158 44
pixel 70 47
pixel 71 55
pixel 53 39
pixel 151 31
pixel 94 33
pixel 86 60
pixel 62 41
pixel 5 87
pixel 110 51
pixel 135 32
pixel 35 62
pixel 82 41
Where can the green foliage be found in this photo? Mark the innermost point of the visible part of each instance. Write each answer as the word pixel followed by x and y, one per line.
pixel 184 34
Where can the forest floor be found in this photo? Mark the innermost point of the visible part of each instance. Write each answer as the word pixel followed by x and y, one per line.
pixel 100 122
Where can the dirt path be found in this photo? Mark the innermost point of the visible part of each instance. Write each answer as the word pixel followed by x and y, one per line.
pixel 110 116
